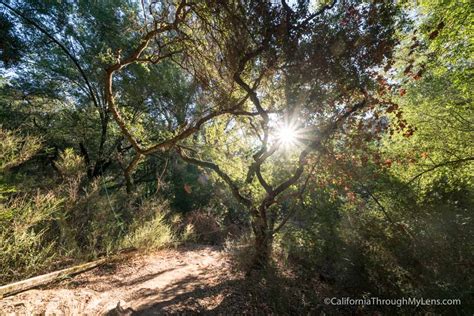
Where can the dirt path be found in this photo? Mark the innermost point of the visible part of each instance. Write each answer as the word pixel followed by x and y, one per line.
pixel 189 279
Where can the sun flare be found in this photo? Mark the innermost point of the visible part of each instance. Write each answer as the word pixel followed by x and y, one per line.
pixel 287 135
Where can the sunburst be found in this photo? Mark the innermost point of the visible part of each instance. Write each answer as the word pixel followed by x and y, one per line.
pixel 287 135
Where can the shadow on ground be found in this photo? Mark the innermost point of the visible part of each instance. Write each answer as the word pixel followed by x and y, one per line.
pixel 261 293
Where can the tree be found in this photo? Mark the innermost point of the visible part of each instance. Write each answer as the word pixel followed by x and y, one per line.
pixel 64 72
pixel 61 75
pixel 309 74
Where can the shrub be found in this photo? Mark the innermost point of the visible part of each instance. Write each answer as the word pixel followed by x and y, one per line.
pixel 149 230
pixel 16 149
pixel 204 228
pixel 24 226
pixel 153 234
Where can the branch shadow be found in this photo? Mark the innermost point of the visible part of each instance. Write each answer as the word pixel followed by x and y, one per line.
pixel 145 277
pixel 259 294
pixel 187 302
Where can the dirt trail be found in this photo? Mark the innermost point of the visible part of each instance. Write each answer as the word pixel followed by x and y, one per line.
pixel 189 279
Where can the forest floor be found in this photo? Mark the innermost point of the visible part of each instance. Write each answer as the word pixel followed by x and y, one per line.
pixel 185 280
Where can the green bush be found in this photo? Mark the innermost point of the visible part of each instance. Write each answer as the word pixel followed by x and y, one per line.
pixel 24 225
pixel 353 248
pixel 151 235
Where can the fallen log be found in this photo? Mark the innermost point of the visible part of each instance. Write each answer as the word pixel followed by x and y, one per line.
pixel 20 286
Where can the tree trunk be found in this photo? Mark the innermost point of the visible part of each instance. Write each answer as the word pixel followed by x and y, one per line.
pixel 128 173
pixel 262 251
pixel 128 183
pixel 263 242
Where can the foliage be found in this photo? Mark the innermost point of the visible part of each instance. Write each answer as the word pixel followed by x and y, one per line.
pixel 394 222
pixel 23 219
pixel 24 244
pixel 15 149
pixel 151 235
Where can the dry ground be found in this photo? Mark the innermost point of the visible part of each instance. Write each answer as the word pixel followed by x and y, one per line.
pixel 187 280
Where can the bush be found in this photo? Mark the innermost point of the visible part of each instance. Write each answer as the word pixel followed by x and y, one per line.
pixel 24 227
pixel 151 235
pixel 16 149
pixel 203 228
pixel 355 250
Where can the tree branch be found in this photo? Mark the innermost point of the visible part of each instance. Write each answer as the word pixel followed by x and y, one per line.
pixel 443 164
pixel 315 14
pixel 314 145
pixel 206 164
pixel 63 48
pixel 299 194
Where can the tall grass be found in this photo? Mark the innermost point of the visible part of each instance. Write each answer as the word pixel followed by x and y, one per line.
pixel 24 226
pixel 151 235
pixel 72 220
